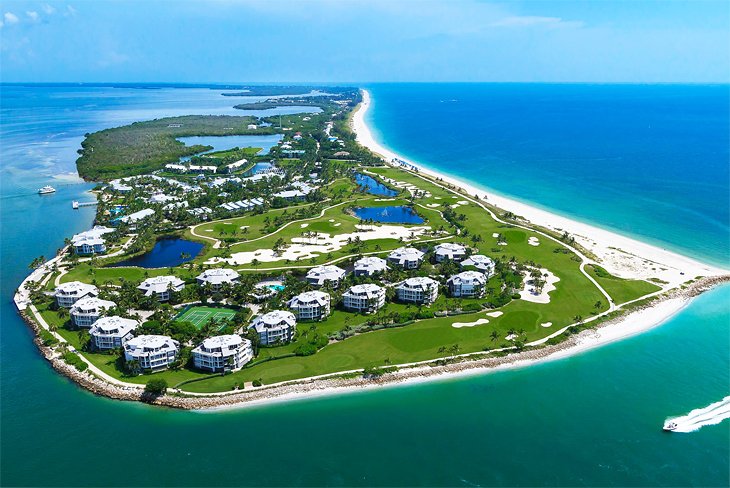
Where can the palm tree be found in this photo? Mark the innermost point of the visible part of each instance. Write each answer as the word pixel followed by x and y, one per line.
pixel 494 335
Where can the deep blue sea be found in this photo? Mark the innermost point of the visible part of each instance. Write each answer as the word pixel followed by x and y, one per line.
pixel 650 161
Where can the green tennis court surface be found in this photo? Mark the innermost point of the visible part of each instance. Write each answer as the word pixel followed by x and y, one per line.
pixel 199 316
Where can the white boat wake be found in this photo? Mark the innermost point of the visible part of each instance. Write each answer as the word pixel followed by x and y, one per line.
pixel 712 414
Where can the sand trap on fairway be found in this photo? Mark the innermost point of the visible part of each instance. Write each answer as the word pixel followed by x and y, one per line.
pixel 459 325
pixel 530 294
pixel 511 337
pixel 208 230
pixel 533 241
pixel 495 314
pixel 546 324
pixel 305 225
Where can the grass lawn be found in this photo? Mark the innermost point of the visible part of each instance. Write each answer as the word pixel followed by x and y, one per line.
pixel 199 316
pixel 621 290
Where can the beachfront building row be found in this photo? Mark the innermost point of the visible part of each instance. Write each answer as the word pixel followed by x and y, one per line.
pixel 419 290
pixel 480 262
pixel 370 266
pixel 67 294
pixel 310 305
pixel 449 251
pixel 467 284
pixel 91 241
pixel 151 352
pixel 88 310
pixel 366 298
pixel 218 277
pixel 406 258
pixel 222 353
pixel 112 332
pixel 161 287
pixel 327 274
pixel 275 327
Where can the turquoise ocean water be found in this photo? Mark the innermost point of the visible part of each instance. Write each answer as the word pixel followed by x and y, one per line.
pixel 588 420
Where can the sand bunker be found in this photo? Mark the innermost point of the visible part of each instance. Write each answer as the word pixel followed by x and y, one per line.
pixel 546 324
pixel 511 337
pixel 529 292
pixel 495 314
pixel 459 325
pixel 305 225
pixel 533 241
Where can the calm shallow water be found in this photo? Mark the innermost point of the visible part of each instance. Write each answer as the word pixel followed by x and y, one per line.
pixel 223 143
pixel 590 420
pixel 373 186
pixel 164 254
pixel 391 215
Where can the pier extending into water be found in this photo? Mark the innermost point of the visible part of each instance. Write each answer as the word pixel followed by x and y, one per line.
pixel 75 205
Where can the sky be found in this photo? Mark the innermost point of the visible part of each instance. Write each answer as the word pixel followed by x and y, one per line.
pixel 233 41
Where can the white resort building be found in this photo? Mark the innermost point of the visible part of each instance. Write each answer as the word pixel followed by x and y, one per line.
pixel 153 352
pixel 480 262
pixel 91 241
pixel 310 305
pixel 467 284
pixel 135 217
pixel 88 310
pixel 406 257
pixel 370 266
pixel 69 293
pixel 233 167
pixel 320 275
pixel 367 298
pixel 222 353
pixel 449 251
pixel 419 290
pixel 217 277
pixel 161 286
pixel 112 332
pixel 276 326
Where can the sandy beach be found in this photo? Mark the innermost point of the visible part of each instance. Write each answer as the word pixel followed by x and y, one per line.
pixel 618 254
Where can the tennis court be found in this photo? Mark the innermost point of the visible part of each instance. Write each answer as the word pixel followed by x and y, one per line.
pixel 199 316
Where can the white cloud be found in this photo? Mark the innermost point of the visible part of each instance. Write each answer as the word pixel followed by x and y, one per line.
pixel 48 9
pixel 11 18
pixel 32 15
pixel 532 20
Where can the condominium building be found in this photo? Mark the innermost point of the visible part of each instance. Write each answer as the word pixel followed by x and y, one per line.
pixel 91 241
pixel 480 262
pixel 111 332
pixel 367 298
pixel 406 257
pixel 370 266
pixel 449 251
pixel 322 275
pixel 310 305
pixel 222 353
pixel 152 352
pixel 218 277
pixel 419 290
pixel 161 286
pixel 86 311
pixel 276 326
pixel 467 284
pixel 69 293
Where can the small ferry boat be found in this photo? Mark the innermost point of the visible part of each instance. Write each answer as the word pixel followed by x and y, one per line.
pixel 46 189
pixel 670 426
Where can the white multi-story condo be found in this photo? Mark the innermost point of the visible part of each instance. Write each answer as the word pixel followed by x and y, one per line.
pixel 223 353
pixel 420 290
pixel 276 326
pixel 153 352
pixel 88 310
pixel 69 293
pixel 367 298
pixel 217 277
pixel 310 305
pixel 406 257
pixel 467 284
pixel 135 217
pixel 370 265
pixel 480 262
pixel 161 286
pixel 91 241
pixel 449 251
pixel 321 275
pixel 111 332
